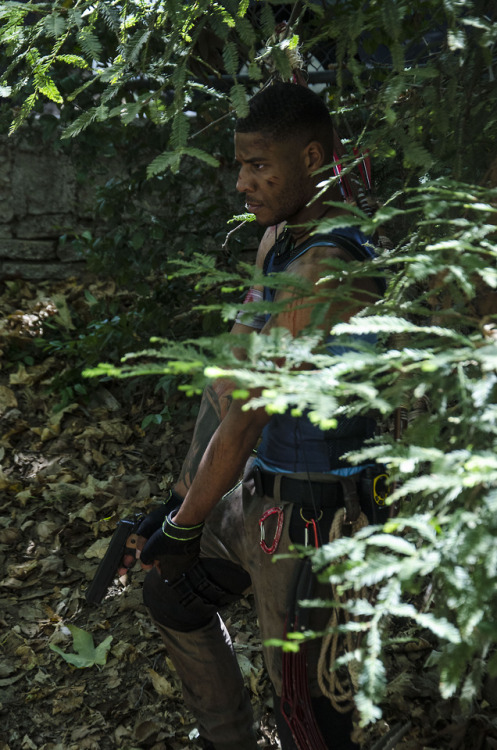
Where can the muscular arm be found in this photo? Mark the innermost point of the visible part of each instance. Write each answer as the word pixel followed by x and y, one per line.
pixel 216 399
pixel 214 406
pixel 223 461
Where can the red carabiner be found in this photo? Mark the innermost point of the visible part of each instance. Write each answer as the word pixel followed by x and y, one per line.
pixel 278 510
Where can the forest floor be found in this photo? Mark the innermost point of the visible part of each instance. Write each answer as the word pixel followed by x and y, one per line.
pixel 66 477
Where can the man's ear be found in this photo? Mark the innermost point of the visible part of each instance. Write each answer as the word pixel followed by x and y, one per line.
pixel 314 156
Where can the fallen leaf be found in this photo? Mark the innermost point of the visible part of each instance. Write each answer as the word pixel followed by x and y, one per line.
pixel 27 656
pixel 87 513
pixel 117 430
pixel 162 686
pixel 50 432
pixel 98 548
pixel 86 654
pixel 8 536
pixel 45 530
pixel 144 730
pixel 67 703
pixel 22 570
pixel 31 375
pixel 27 743
pixel 7 399
pixel 249 671
pixel 63 314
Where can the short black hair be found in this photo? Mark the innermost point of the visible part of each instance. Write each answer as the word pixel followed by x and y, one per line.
pixel 286 110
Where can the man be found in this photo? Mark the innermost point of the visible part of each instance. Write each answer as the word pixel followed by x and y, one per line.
pixel 207 547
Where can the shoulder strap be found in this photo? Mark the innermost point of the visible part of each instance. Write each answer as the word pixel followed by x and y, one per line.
pixel 336 238
pixel 284 251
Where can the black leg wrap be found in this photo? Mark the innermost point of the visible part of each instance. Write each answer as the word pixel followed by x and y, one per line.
pixel 335 727
pixel 284 732
pixel 192 601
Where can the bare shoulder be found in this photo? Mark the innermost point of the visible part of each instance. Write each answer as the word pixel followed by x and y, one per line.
pixel 311 264
pixel 268 239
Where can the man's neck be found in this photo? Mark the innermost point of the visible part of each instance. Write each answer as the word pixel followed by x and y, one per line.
pixel 311 214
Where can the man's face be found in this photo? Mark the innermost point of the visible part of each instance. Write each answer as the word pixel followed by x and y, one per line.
pixel 274 178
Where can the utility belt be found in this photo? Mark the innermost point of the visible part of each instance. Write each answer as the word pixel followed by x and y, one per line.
pixel 299 490
pixel 364 491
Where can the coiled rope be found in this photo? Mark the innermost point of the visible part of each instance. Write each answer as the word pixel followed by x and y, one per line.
pixel 339 686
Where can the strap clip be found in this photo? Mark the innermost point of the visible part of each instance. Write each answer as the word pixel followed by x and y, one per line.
pixel 278 512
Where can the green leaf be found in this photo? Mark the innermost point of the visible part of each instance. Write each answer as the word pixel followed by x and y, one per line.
pixel 83 121
pixel 46 86
pixel 180 130
pixel 24 112
pixel 416 155
pixel 267 20
pixel 90 43
pixel 456 39
pixel 76 60
pixel 166 160
pixel 243 7
pixel 238 97
pixel 197 153
pixel 90 298
pixel 241 217
pixel 171 160
pixel 245 30
pixel 55 24
pixel 230 58
pixel 86 655
pixel 395 543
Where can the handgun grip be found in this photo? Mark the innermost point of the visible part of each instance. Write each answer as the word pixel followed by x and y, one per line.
pixel 124 537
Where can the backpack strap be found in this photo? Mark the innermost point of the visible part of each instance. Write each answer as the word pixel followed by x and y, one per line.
pixel 284 251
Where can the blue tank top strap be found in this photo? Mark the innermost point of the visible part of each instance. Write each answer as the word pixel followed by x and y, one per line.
pixel 350 239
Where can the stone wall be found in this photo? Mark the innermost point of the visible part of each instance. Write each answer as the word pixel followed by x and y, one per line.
pixel 39 200
pixel 47 191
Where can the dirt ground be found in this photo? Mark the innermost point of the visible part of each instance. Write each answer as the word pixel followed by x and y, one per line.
pixel 67 476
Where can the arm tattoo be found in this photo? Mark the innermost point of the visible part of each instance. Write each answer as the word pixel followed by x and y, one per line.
pixel 214 406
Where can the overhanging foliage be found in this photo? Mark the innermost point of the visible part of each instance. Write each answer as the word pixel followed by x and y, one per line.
pixel 417 89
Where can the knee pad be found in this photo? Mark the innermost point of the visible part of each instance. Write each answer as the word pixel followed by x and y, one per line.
pixel 190 602
pixel 167 607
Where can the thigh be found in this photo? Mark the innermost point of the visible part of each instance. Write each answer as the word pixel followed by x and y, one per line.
pixel 223 536
pixel 271 576
pixel 274 581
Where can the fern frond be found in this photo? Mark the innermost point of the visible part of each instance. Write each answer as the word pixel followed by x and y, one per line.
pixel 245 30
pixel 230 58
pixel 238 97
pixel 24 112
pixel 267 20
pixel 166 160
pixel 90 43
pixel 180 130
pixel 171 160
pixel 111 16
pixel 76 60
pixel 83 121
pixel 135 46
pixel 55 24
pixel 198 153
pixel 46 86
